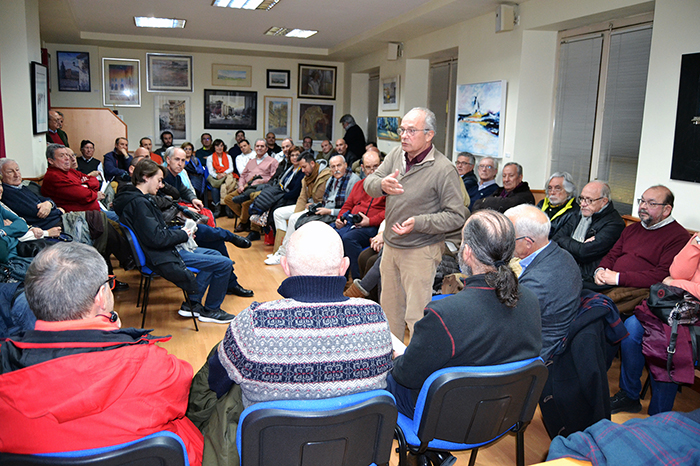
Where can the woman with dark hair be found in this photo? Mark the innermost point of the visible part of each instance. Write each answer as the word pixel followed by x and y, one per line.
pixel 221 181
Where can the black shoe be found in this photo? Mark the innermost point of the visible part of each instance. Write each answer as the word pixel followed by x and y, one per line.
pixel 218 316
pixel 621 402
pixel 241 227
pixel 239 241
pixel 238 290
pixel 253 236
pixel 216 211
pixel 185 310
pixel 120 286
pixel 229 212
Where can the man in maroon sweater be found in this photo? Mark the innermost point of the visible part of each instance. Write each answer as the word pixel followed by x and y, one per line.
pixel 644 252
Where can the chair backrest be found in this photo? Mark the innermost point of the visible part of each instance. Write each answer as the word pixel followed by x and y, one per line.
pixel 137 252
pixel 353 430
pixel 473 405
pixel 162 449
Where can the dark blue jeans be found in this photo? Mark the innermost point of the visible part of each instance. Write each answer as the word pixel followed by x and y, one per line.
pixel 403 396
pixel 214 273
pixel 215 238
pixel 354 241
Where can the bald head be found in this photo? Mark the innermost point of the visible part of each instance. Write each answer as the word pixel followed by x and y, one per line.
pixel 531 228
pixel 315 249
pixel 141 152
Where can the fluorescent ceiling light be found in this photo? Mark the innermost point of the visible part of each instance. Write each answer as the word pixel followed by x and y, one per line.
pixel 246 4
pixel 147 22
pixel 286 32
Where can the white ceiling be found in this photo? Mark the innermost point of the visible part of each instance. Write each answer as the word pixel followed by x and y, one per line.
pixel 347 29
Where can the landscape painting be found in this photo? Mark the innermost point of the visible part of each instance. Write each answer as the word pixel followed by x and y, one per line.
pixel 388 128
pixel 278 116
pixel 230 109
pixel 73 71
pixel 478 118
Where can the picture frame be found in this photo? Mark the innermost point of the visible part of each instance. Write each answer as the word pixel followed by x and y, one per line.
pixel 390 93
pixel 388 128
pixel 231 75
pixel 121 82
pixel 479 112
pixel 278 116
pixel 316 120
pixel 73 71
pixel 40 97
pixel 172 113
pixel 317 82
pixel 230 109
pixel 168 73
pixel 278 79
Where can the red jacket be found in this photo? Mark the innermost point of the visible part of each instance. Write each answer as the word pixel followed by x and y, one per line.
pixel 95 399
pixel 71 190
pixel 360 201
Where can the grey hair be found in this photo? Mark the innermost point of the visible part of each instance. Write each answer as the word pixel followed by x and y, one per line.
pixel 517 166
pixel 347 118
pixel 430 121
pixel 569 185
pixel 170 151
pixel 525 219
pixel 604 189
pixel 258 140
pixel 5 161
pixel 469 155
pixel 495 162
pixel 51 150
pixel 62 281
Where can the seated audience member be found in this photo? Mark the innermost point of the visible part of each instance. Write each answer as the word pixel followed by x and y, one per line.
pixel 357 234
pixel 271 143
pixel 116 163
pixel 589 234
pixel 307 145
pixel 488 169
pixel 465 167
pixel 205 151
pixel 147 144
pixel 644 252
pixel 338 187
pixel 312 362
pixel 246 155
pixel 55 134
pixel 137 210
pixel 176 160
pixel 559 202
pixel 327 151
pixel 166 137
pixel 79 381
pixel 235 151
pixel 685 274
pixel 549 272
pixel 88 164
pixel 514 192
pixel 12 228
pixel 493 320
pixel 220 168
pixel 194 169
pixel 38 211
pixel 15 315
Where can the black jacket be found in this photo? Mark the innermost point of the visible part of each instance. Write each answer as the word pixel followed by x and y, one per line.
pixel 560 216
pixel 139 212
pixel 521 194
pixel 606 226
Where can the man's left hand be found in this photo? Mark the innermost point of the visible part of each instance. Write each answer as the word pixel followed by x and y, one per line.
pixel 339 223
pixel 606 277
pixel 364 222
pixel 197 205
pixel 44 209
pixel 404 228
pixel 324 211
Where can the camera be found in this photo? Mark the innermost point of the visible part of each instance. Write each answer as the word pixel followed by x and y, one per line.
pixel 352 218
pixel 315 207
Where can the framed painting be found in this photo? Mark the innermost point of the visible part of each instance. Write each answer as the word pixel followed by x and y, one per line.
pixel 231 75
pixel 388 128
pixel 172 113
pixel 685 164
pixel 317 82
pixel 278 79
pixel 40 97
pixel 121 84
pixel 278 116
pixel 230 109
pixel 390 93
pixel 478 118
pixel 168 73
pixel 316 120
pixel 73 71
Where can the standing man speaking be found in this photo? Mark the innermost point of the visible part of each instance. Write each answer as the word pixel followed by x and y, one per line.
pixel 423 202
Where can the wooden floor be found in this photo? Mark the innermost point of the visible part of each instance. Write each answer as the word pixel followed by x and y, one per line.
pixel 263 280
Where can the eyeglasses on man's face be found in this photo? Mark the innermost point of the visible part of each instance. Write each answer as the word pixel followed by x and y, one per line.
pixel 587 200
pixel 411 131
pixel 486 167
pixel 641 201
pixel 111 280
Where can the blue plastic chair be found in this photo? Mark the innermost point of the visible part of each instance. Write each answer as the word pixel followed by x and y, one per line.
pixel 465 408
pixel 352 430
pixel 162 448
pixel 147 276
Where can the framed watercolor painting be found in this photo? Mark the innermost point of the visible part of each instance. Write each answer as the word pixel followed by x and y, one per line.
pixel 40 98
pixel 230 109
pixel 317 82
pixel 168 73
pixel 172 113
pixel 73 71
pixel 390 93
pixel 278 79
pixel 231 75
pixel 121 84
pixel 478 118
pixel 278 116
pixel 388 128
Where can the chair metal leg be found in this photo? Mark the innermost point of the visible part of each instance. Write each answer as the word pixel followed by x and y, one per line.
pixel 520 447
pixel 138 296
pixel 189 303
pixel 472 457
pixel 146 292
pixel 403 447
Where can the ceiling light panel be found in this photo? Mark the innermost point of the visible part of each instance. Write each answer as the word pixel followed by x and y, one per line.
pixel 148 22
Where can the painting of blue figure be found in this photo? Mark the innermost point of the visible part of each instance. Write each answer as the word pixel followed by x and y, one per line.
pixel 480 108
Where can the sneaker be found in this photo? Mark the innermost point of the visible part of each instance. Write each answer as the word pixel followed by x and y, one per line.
pixel 621 402
pixel 218 316
pixel 270 255
pixel 185 310
pixel 274 260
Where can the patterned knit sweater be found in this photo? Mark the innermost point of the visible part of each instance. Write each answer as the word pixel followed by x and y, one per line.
pixel 314 344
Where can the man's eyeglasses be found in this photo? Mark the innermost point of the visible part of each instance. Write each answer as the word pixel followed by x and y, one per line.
pixel 642 201
pixel 587 200
pixel 524 237
pixel 111 279
pixel 410 131
pixel 486 167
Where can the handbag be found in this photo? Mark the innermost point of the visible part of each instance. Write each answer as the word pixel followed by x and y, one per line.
pixel 675 306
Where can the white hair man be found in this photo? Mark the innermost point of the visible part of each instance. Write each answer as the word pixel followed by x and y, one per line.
pixel 559 202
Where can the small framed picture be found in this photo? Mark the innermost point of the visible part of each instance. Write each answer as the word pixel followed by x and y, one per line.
pixel 390 93
pixel 316 120
pixel 317 82
pixel 278 79
pixel 168 73
pixel 388 128
pixel 231 75
pixel 172 113
pixel 121 84
pixel 73 71
pixel 278 116
pixel 230 109
pixel 40 100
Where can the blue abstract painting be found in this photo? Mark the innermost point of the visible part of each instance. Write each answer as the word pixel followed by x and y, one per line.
pixel 478 118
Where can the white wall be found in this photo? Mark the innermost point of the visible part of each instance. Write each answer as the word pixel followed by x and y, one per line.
pixel 141 120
